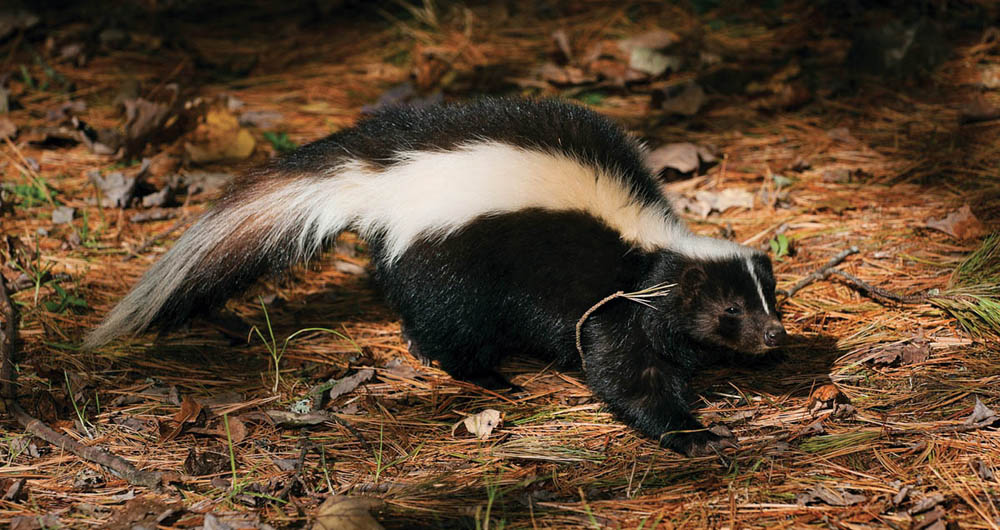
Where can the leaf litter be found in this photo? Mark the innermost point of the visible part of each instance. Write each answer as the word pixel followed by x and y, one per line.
pixel 890 180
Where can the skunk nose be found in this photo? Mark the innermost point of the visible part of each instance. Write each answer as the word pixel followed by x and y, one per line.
pixel 774 334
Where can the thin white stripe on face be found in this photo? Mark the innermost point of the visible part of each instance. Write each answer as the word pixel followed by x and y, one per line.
pixel 760 289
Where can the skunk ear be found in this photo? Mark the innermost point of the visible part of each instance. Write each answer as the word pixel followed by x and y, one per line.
pixel 691 281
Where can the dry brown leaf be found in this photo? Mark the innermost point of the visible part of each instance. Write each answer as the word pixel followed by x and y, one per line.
pixel 340 512
pixel 237 430
pixel 219 137
pixel 655 39
pixel 961 224
pixel 825 495
pixel 682 156
pixel 283 418
pixel 400 369
pixel 190 409
pixel 7 128
pixel 686 102
pixel 349 383
pixel 915 351
pixel 982 415
pixel 207 463
pixel 480 424
pixel 706 202
pixel 565 75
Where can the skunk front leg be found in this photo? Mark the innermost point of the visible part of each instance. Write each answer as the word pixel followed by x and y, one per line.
pixel 648 392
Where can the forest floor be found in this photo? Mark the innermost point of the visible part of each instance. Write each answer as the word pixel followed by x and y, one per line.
pixel 880 413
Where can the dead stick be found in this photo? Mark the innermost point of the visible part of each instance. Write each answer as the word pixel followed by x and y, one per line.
pixel 819 273
pixel 116 464
pixel 878 291
pixel 8 338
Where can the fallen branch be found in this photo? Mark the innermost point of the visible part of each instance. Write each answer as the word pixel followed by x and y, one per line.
pixel 819 274
pixel 878 291
pixel 8 391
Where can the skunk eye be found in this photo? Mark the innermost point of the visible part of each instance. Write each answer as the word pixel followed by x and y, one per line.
pixel 733 310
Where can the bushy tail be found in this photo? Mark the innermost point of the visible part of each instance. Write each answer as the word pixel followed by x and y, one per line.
pixel 267 222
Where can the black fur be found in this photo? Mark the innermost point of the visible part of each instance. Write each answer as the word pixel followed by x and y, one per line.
pixel 518 284
pixel 504 284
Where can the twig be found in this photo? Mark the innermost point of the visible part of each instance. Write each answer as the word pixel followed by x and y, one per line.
pixel 878 291
pixel 827 270
pixel 8 337
pixel 638 297
pixel 25 282
pixel 296 471
pixel 116 464
pixel 819 273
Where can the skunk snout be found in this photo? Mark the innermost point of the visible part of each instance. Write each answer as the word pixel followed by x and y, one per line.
pixel 775 334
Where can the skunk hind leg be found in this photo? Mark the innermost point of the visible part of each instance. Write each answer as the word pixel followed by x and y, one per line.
pixel 476 368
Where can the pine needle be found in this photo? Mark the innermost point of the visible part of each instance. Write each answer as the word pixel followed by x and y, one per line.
pixel 973 297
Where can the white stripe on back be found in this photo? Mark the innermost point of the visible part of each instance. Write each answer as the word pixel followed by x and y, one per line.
pixel 760 289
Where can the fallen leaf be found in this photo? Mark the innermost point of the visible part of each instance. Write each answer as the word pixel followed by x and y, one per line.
pixel 118 189
pixel 7 128
pixel 237 430
pixel 686 101
pixel 652 62
pixel 141 512
pixel 65 110
pixel 159 198
pixel 205 182
pixel 961 224
pixel 912 352
pixel 206 463
pixel 219 137
pixel 101 142
pixel 190 409
pixel 932 520
pixel 656 39
pixel 143 120
pixel 685 157
pixel 14 490
pixel 706 202
pixel 35 522
pixel 565 75
pixel 283 418
pixel 926 503
pixel 985 472
pixel 400 369
pixel 261 119
pixel 480 424
pixel 189 413
pixel 982 415
pixel 63 214
pixel 825 495
pixel 989 76
pixel 349 383
pixel 825 398
pixel 901 495
pixel 87 480
pixel 212 522
pixel 340 512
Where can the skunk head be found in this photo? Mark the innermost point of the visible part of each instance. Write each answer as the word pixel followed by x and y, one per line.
pixel 729 302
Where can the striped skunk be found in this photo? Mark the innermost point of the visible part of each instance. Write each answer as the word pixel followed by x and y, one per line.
pixel 493 227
